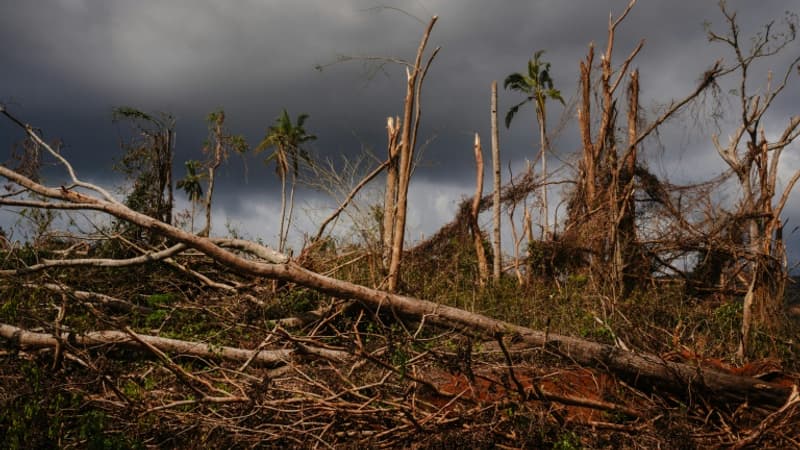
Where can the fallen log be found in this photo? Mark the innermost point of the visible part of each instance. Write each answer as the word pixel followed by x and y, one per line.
pixel 32 340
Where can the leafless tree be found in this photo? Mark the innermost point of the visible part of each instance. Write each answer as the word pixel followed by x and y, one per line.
pixel 602 215
pixel 755 161
pixel 412 111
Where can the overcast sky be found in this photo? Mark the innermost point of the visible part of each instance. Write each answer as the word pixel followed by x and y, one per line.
pixel 67 63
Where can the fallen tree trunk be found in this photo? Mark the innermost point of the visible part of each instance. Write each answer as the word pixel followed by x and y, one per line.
pixel 640 369
pixel 32 340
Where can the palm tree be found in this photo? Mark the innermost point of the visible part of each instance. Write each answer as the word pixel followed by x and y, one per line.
pixel 191 185
pixel 286 139
pixel 537 86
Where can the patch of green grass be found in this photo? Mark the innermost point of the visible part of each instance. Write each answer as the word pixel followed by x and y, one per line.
pixel 159 300
pixel 132 390
pixel 728 316
pixel 10 306
pixel 568 441
pixel 156 318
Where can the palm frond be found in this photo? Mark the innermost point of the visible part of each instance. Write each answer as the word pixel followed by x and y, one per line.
pixel 301 119
pixel 538 85
pixel 515 80
pixel 512 112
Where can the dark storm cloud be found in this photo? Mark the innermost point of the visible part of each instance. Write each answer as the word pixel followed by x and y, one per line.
pixel 66 63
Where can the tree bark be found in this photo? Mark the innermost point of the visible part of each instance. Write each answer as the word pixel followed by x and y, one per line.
pixel 390 195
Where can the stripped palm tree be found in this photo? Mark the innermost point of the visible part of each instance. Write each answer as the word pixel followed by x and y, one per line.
pixel 190 184
pixel 286 138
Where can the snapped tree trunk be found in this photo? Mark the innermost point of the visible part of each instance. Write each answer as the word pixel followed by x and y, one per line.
pixel 477 236
pixel 390 195
pixel 497 264
pixel 630 267
pixel 411 116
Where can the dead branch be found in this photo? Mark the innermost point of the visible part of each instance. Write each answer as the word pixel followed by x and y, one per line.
pixel 99 262
pixel 34 340
pixel 787 412
pixel 349 197
pixel 112 302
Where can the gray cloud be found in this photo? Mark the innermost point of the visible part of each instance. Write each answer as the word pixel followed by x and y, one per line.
pixel 66 63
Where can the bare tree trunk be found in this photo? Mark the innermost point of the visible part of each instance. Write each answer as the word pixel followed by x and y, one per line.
pixel 585 119
pixel 191 220
pixel 390 196
pixel 403 177
pixel 629 265
pixel 209 195
pixel 170 155
pixel 540 111
pixel 477 237
pixel 497 264
pixel 281 243
pixel 291 211
pixel 411 116
pixel 216 160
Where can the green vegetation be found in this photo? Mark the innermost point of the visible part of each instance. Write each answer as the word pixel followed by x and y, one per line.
pixel 44 415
